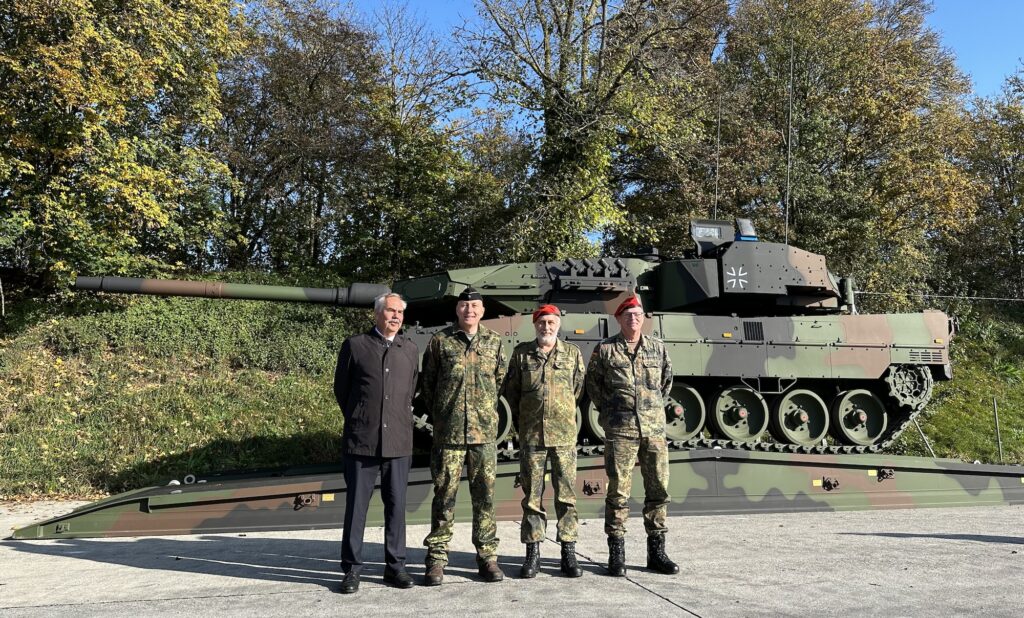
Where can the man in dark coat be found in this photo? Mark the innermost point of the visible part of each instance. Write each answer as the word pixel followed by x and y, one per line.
pixel 374 384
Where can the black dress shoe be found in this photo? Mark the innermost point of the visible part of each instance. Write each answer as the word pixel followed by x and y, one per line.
pixel 398 579
pixel 350 584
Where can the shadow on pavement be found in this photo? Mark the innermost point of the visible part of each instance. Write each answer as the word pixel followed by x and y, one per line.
pixel 271 559
pixel 979 538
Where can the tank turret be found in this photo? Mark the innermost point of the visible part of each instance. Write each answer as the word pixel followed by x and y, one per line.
pixel 726 272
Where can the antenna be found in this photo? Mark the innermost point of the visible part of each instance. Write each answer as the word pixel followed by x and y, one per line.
pixel 789 141
pixel 718 149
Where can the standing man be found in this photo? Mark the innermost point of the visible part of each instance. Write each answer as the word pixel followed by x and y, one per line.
pixel 545 377
pixel 628 379
pixel 374 384
pixel 463 369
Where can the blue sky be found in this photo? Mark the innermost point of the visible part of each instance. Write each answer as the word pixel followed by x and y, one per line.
pixel 986 36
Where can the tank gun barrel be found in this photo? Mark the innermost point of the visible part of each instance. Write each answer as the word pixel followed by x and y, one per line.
pixel 357 295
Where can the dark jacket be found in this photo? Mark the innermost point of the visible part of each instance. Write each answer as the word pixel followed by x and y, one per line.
pixel 374 385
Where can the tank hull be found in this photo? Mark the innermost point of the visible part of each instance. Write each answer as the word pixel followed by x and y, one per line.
pixel 828 355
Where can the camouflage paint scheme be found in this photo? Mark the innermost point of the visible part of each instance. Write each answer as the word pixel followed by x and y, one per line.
pixel 745 323
pixel 753 327
pixel 703 481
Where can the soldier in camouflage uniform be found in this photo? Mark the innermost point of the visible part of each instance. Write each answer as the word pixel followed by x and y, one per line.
pixel 628 379
pixel 545 377
pixel 463 368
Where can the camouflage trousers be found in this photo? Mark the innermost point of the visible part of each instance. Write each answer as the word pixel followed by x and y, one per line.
pixel 532 464
pixel 622 445
pixel 446 464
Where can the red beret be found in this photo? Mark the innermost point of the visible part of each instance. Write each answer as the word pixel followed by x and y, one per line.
pixel 545 310
pixel 629 303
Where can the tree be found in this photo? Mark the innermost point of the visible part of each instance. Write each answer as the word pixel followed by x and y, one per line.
pixel 105 111
pixel 296 128
pixel 664 170
pixel 864 102
pixel 422 203
pixel 576 68
pixel 879 133
pixel 987 257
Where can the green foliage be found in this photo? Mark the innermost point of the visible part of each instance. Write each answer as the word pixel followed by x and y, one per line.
pixel 879 136
pixel 987 257
pixel 294 133
pixel 878 126
pixel 156 388
pixel 420 203
pixel 102 165
pixel 582 72
pixel 988 365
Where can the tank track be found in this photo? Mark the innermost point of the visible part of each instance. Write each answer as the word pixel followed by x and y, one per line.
pixel 512 454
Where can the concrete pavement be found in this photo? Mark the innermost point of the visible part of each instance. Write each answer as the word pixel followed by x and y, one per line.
pixel 923 562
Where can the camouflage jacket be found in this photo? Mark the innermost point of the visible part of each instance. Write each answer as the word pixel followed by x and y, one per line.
pixel 461 378
pixel 627 386
pixel 541 389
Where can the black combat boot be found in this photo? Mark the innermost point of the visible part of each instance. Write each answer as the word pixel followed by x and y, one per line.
pixel 657 559
pixel 532 563
pixel 569 565
pixel 616 556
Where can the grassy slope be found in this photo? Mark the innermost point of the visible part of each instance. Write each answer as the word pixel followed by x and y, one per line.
pixel 149 389
pixel 987 363
pixel 134 391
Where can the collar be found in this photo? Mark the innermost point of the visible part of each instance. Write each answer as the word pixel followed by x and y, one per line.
pixel 397 339
pixel 480 330
pixel 620 338
pixel 381 335
pixel 535 347
pixel 466 334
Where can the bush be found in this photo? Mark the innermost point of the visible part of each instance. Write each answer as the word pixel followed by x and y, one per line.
pixel 144 389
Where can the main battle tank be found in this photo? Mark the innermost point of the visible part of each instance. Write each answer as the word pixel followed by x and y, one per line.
pixel 767 348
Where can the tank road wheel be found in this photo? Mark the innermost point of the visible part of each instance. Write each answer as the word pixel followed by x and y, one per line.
pixel 910 386
pixel 739 413
pixel 590 422
pixel 799 417
pixel 858 417
pixel 504 420
pixel 684 413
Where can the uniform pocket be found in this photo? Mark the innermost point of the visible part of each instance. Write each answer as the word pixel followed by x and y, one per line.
pixel 620 373
pixel 652 374
pixel 488 353
pixel 451 367
pixel 532 377
pixel 451 355
pixel 562 372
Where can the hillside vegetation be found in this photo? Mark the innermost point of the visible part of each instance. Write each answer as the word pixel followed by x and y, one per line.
pixel 146 389
pixel 115 393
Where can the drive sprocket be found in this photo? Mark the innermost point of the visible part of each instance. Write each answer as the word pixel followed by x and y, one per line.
pixel 910 386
